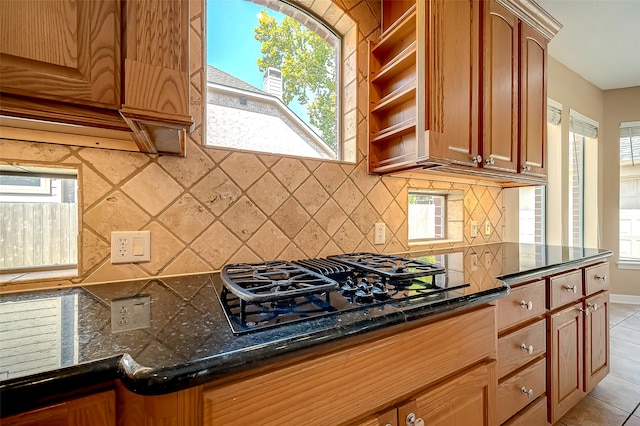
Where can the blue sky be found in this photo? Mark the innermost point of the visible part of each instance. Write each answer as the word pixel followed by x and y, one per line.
pixel 233 21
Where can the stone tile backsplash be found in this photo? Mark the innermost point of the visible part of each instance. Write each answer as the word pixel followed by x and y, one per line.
pixel 217 206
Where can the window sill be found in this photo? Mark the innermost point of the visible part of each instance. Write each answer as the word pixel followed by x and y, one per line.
pixel 16 277
pixel 629 264
pixel 433 242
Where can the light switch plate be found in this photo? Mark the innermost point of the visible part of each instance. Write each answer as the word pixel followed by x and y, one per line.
pixel 487 227
pixel 130 246
pixel 474 229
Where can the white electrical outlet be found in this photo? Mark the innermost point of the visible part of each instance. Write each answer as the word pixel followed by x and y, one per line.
pixel 379 233
pixel 474 261
pixel 130 313
pixel 487 227
pixel 474 229
pixel 130 247
pixel 487 260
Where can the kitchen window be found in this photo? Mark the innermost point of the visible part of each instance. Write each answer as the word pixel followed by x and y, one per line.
pixel 630 194
pixel 275 80
pixel 39 228
pixel 434 216
pixel 582 228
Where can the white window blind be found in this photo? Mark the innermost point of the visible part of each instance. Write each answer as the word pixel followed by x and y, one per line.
pixel 583 125
pixel 554 112
pixel 630 142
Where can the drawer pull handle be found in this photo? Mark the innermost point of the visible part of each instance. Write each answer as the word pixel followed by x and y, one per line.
pixel 593 307
pixel 526 305
pixel 601 277
pixel 529 392
pixel 573 288
pixel 413 421
pixel 527 349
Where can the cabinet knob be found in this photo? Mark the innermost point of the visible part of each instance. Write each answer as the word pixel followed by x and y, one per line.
pixel 527 349
pixel 477 159
pixel 413 421
pixel 573 288
pixel 529 392
pixel 526 305
pixel 592 306
pixel 600 277
pixel 490 161
pixel 526 168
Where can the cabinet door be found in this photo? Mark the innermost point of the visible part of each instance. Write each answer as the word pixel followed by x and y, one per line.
pixel 93 410
pixel 385 418
pixel 468 399
pixel 500 102
pixel 455 80
pixel 596 339
pixel 533 102
pixel 565 384
pixel 62 50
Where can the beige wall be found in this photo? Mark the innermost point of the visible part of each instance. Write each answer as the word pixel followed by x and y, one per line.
pixel 573 92
pixel 217 206
pixel 620 105
pixel 608 108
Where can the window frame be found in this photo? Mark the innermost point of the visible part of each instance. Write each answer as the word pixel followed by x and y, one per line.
pixel 633 134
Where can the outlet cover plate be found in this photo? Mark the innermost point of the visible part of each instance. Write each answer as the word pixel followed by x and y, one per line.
pixel 130 246
pixel 379 233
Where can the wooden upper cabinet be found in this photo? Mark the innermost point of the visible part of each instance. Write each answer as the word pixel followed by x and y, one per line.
pixel 455 86
pixel 500 106
pixel 533 101
pixel 118 71
pixel 61 50
pixel 156 73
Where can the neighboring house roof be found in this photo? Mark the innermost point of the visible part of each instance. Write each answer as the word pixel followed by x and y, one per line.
pixel 214 75
pixel 274 127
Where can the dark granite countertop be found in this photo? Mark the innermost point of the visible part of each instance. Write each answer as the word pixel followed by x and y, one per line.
pixel 189 341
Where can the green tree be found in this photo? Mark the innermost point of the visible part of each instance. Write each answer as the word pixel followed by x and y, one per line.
pixel 308 66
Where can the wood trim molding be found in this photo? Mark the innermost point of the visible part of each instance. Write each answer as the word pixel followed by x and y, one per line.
pixel 534 15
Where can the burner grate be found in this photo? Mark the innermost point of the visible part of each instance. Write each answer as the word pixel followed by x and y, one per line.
pixel 328 268
pixel 390 266
pixel 268 281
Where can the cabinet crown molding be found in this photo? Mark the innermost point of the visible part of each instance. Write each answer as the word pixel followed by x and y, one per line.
pixel 533 14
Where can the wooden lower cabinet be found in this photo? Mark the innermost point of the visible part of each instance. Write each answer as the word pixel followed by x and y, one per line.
pixel 596 339
pixel 388 417
pixel 468 399
pixel 93 410
pixel 566 365
pixel 520 389
pixel 431 366
pixel 534 415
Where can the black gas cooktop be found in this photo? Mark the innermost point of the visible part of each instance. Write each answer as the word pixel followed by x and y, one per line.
pixel 260 295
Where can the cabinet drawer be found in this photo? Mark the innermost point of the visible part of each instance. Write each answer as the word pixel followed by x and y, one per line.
pixel 565 288
pixel 596 278
pixel 533 415
pixel 518 348
pixel 516 392
pixel 521 304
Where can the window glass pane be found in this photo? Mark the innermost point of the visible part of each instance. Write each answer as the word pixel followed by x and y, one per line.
pixel 272 81
pixel 532 215
pixel 39 220
pixel 629 193
pixel 426 216
pixel 576 190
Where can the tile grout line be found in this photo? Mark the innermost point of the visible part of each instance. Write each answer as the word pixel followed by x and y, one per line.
pixel 631 414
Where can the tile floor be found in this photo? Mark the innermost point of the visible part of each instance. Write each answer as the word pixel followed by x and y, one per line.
pixel 616 399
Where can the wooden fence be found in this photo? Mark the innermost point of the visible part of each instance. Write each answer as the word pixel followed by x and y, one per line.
pixel 37 234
